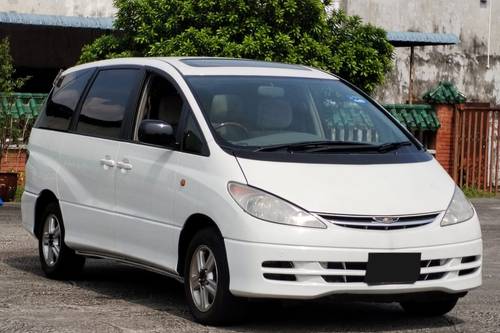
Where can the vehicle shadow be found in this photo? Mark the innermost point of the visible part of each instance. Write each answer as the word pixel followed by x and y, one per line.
pixel 116 281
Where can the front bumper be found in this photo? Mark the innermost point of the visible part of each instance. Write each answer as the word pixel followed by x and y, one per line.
pixel 320 271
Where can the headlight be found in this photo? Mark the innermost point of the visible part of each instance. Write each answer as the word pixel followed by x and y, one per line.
pixel 459 210
pixel 270 208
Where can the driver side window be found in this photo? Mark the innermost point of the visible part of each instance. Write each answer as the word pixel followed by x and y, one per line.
pixel 160 101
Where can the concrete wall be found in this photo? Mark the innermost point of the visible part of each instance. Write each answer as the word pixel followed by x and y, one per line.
pixel 463 64
pixel 99 8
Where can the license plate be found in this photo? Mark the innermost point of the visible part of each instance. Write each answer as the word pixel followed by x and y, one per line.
pixel 392 268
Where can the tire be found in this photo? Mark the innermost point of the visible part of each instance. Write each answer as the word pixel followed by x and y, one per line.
pixel 210 278
pixel 57 260
pixel 430 308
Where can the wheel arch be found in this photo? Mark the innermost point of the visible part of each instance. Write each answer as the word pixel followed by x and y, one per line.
pixel 193 224
pixel 44 198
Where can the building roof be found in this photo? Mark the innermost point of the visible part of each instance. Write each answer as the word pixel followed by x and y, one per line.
pixel 406 39
pixel 445 93
pixel 415 116
pixel 104 23
pixel 21 105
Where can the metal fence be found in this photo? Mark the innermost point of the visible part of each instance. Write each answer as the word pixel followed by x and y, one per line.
pixel 476 150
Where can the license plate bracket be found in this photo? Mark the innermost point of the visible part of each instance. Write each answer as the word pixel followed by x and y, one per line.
pixel 392 268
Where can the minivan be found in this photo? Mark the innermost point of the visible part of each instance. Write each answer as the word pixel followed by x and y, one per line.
pixel 245 180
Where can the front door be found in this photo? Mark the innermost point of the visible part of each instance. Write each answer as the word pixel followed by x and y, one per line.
pixel 145 182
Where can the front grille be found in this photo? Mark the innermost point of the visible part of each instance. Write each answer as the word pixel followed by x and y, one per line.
pixel 380 222
pixel 355 271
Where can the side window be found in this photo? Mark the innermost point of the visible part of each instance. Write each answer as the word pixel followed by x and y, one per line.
pixel 160 101
pixel 192 139
pixel 62 101
pixel 104 107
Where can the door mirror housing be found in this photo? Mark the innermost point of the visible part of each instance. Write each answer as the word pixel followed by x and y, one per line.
pixel 156 132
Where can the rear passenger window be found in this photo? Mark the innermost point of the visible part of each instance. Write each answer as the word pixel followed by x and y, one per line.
pixel 62 101
pixel 104 107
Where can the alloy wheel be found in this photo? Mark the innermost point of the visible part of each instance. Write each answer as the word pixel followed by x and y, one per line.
pixel 51 240
pixel 203 278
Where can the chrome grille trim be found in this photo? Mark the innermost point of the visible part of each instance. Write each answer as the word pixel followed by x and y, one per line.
pixel 371 223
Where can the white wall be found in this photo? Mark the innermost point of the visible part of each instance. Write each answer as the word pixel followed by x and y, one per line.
pixel 463 64
pixel 97 8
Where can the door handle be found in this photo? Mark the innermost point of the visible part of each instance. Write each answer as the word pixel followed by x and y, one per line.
pixel 124 165
pixel 107 162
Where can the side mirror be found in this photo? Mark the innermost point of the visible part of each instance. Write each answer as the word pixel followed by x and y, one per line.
pixel 156 132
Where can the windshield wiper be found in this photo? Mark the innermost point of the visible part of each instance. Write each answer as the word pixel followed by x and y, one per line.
pixel 325 146
pixel 313 146
pixel 385 147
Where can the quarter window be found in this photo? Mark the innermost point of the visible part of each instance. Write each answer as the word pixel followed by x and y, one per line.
pixel 192 140
pixel 62 102
pixel 104 107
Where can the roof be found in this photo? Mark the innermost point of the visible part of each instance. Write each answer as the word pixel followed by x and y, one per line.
pixel 21 105
pixel 192 66
pixel 104 23
pixel 231 62
pixel 444 93
pixel 415 116
pixel 406 39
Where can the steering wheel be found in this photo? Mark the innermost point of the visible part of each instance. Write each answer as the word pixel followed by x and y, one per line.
pixel 238 126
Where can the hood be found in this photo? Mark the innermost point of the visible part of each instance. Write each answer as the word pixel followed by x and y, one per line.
pixel 374 189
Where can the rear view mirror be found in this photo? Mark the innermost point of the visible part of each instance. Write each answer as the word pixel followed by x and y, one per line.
pixel 271 91
pixel 156 132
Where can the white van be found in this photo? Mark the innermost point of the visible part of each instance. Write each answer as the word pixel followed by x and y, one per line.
pixel 245 179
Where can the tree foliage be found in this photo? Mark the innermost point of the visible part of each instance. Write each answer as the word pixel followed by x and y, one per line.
pixel 13 129
pixel 7 81
pixel 291 31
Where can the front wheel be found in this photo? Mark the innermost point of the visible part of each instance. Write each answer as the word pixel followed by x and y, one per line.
pixel 206 281
pixel 430 308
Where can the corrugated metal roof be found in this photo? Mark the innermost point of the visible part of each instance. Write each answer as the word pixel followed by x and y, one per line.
pixel 105 23
pixel 409 38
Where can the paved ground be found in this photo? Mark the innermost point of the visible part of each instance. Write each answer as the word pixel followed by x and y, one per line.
pixel 111 297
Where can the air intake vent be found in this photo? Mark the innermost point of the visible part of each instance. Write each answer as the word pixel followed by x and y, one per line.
pixel 280 277
pixel 277 264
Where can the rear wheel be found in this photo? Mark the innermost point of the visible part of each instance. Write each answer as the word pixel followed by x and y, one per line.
pixel 57 260
pixel 430 308
pixel 206 281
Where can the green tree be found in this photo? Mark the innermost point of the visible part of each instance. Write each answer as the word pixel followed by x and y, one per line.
pixel 292 31
pixel 12 129
pixel 7 81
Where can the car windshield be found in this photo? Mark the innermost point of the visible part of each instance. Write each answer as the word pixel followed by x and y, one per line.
pixel 313 115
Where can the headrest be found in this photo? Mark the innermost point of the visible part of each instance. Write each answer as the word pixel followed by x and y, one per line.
pixel 274 114
pixel 169 108
pixel 222 105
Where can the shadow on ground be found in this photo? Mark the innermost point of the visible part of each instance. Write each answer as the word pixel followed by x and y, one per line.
pixel 116 281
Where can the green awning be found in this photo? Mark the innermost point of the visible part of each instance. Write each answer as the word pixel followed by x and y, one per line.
pixel 415 116
pixel 21 105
